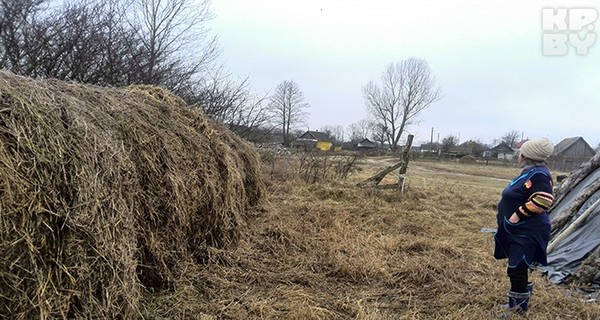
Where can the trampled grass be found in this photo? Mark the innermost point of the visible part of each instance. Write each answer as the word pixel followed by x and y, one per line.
pixel 336 251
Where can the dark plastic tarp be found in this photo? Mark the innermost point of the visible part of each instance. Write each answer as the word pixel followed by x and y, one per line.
pixel 574 249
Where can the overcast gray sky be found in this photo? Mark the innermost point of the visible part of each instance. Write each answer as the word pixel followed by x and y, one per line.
pixel 486 55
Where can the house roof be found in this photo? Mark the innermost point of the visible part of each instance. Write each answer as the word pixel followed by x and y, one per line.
pixel 316 135
pixel 366 143
pixel 566 143
pixel 502 147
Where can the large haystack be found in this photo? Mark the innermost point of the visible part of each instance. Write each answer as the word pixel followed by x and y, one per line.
pixel 103 191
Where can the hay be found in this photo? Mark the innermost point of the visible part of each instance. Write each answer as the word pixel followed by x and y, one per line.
pixel 334 251
pixel 468 159
pixel 104 192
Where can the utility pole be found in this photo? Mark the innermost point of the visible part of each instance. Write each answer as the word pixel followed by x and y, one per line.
pixel 431 141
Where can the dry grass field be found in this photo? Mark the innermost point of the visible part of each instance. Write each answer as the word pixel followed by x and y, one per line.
pixel 336 251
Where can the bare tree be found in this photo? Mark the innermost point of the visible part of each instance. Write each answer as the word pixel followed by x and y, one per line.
pixel 359 130
pixel 170 31
pixel 15 18
pixel 335 132
pixel 231 103
pixel 379 132
pixel 289 108
pixel 449 143
pixel 511 137
pixel 218 95
pixel 68 43
pixel 121 49
pixel 473 147
pixel 407 88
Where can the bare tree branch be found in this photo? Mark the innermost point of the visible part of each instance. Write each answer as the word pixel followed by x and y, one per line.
pixel 511 137
pixel 231 103
pixel 170 31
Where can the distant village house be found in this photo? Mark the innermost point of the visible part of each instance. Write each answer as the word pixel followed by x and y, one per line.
pixel 313 140
pixel 430 147
pixel 570 153
pixel 366 145
pixel 502 151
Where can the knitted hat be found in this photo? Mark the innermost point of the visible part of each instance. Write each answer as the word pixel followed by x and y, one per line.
pixel 537 149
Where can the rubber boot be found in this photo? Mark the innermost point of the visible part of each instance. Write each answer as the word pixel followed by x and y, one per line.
pixel 529 288
pixel 518 302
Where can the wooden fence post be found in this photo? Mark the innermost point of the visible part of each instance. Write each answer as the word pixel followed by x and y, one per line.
pixel 405 157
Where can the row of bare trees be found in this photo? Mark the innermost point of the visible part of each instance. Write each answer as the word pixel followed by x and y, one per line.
pixel 122 42
pixel 166 43
pixel 107 42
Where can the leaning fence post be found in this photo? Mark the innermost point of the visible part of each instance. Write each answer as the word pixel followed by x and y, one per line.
pixel 405 157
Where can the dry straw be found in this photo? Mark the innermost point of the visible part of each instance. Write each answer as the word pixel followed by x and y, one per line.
pixel 106 191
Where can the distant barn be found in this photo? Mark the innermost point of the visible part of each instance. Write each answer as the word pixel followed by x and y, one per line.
pixel 570 153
